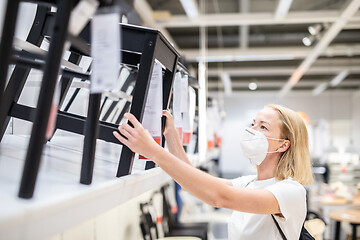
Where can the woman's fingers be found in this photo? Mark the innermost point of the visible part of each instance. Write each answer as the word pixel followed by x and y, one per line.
pixel 124 131
pixel 128 128
pixel 132 119
pixel 166 113
pixel 121 138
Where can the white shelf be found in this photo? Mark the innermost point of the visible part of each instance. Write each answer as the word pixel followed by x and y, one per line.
pixel 60 201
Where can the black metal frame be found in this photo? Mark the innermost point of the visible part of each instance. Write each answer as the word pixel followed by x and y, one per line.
pixel 152 45
pixel 140 47
pixel 51 72
pixel 20 73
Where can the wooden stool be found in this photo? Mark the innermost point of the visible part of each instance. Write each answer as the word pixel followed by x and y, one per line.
pixel 350 215
pixel 179 238
pixel 316 228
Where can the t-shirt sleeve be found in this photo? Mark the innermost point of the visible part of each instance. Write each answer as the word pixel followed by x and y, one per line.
pixel 242 181
pixel 291 197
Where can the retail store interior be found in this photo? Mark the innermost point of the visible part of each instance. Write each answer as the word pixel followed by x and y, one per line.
pixel 71 69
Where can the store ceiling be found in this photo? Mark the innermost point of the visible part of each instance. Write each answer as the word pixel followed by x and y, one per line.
pixel 246 41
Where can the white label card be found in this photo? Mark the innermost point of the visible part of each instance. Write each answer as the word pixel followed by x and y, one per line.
pixel 105 51
pixel 192 106
pixel 177 100
pixel 154 103
pixel 184 93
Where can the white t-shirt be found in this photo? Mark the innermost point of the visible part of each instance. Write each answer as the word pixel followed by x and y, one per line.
pixel 291 197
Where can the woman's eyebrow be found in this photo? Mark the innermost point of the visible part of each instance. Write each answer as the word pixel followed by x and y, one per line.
pixel 261 122
pixel 265 122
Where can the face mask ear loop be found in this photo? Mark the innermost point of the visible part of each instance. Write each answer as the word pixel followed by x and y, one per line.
pixel 279 147
pixel 279 139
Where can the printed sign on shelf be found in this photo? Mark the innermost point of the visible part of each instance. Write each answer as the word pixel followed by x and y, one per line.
pixel 188 117
pixel 53 112
pixel 186 125
pixel 184 93
pixel 177 104
pixel 154 105
pixel 105 51
pixel 210 131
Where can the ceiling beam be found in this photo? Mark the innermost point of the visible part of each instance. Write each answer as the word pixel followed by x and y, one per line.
pixel 352 25
pixel 237 19
pixel 145 12
pixel 324 42
pixel 244 30
pixel 268 53
pixel 281 71
pixel 277 83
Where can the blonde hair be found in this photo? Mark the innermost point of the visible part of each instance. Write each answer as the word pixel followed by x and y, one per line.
pixel 295 162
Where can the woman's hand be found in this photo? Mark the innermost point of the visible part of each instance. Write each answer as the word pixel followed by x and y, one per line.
pixel 137 138
pixel 169 125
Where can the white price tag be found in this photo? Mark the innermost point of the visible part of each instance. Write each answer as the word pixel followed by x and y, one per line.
pixel 105 51
pixel 192 107
pixel 154 104
pixel 177 100
pixel 184 94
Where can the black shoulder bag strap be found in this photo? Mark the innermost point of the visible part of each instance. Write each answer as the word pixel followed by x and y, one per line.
pixel 276 223
pixel 278 227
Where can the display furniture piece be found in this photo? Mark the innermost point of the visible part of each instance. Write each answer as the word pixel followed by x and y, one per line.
pixel 140 47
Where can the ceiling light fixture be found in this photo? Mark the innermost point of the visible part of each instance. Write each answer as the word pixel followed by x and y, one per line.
pixel 315 29
pixel 191 8
pixel 282 9
pixel 339 78
pixel 252 86
pixel 319 89
pixel 308 40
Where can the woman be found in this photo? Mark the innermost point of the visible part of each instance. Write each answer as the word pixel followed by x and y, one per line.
pixel 277 143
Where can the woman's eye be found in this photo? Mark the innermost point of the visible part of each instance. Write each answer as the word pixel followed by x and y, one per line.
pixel 263 127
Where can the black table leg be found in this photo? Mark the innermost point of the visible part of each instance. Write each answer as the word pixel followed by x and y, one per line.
pixel 337 230
pixel 354 226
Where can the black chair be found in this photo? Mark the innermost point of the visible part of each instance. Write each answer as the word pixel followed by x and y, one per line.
pixel 147 224
pixel 174 227
pixel 150 44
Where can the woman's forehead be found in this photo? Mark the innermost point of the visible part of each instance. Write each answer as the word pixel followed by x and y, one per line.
pixel 268 115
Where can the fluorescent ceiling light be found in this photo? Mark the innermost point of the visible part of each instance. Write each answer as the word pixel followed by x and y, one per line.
pixel 282 9
pixel 314 29
pixel 225 77
pixel 307 41
pixel 252 86
pixel 319 89
pixel 191 8
pixel 339 78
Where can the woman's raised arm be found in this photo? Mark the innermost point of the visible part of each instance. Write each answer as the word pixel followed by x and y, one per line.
pixel 210 189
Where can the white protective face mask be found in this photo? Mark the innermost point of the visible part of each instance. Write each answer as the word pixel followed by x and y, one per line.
pixel 254 145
